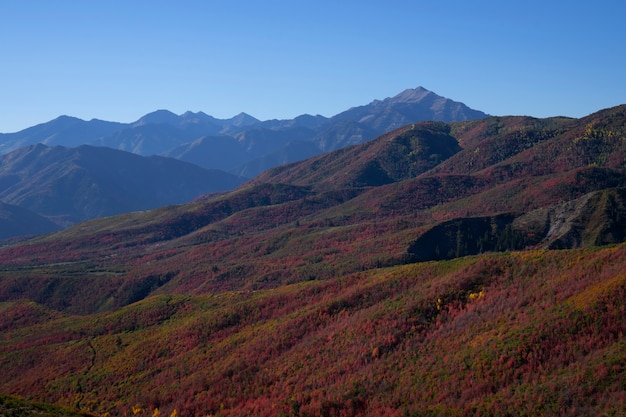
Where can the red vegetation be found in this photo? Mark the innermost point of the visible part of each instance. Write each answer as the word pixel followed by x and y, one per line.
pixel 531 333
pixel 281 299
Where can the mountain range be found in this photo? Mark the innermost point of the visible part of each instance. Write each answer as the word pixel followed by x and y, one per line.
pixel 243 145
pixel 70 185
pixel 442 268
pixel 67 171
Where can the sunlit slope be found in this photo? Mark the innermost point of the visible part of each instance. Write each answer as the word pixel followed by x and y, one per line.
pixel 532 333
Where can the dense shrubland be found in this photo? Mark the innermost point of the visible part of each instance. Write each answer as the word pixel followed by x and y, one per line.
pixel 307 300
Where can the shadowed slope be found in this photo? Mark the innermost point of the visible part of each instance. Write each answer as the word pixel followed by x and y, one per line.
pixel 74 184
pixel 16 221
pixel 17 407
pixel 396 156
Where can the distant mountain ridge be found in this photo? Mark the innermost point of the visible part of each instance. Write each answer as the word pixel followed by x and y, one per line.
pixel 411 105
pixel 253 145
pixel 69 185
pixel 18 221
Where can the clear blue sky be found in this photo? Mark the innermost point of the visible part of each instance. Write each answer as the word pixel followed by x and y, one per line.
pixel 118 60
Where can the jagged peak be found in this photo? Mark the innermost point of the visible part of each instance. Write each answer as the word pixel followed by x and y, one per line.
pixel 199 114
pixel 243 119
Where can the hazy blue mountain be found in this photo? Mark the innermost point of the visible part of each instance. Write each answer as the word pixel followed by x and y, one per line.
pixel 241 120
pixel 68 185
pixel 158 117
pixel 219 152
pixel 145 139
pixel 198 124
pixel 410 106
pixel 291 152
pixel 341 133
pixel 18 221
pixel 353 126
pixel 231 144
pixel 260 141
pixel 233 153
pixel 153 134
pixel 304 120
pixel 162 131
pixel 64 130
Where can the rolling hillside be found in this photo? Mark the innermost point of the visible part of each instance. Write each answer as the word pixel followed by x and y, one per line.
pixel 443 269
pixel 525 333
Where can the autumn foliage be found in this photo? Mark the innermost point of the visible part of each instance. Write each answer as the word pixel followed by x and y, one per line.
pixel 307 298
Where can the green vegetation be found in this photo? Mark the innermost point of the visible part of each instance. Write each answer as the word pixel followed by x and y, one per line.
pixel 17 407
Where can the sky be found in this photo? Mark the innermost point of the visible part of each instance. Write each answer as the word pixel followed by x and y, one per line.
pixel 118 60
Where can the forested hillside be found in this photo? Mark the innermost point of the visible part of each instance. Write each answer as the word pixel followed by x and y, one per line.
pixel 443 269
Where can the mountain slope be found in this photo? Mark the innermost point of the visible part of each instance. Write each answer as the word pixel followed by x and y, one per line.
pixel 329 226
pixel 17 221
pixel 64 130
pixel 75 184
pixel 515 146
pixel 338 200
pixel 296 150
pixel 354 126
pixel 160 132
pixel 597 218
pixel 530 333
pixel 396 156
pixel 296 294
pixel 409 106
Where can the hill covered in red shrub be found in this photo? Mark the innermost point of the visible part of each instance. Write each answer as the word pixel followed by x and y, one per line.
pixel 471 268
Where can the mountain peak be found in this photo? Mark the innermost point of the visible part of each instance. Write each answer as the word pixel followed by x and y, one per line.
pixel 159 116
pixel 66 118
pixel 62 122
pixel 199 117
pixel 243 119
pixel 411 95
